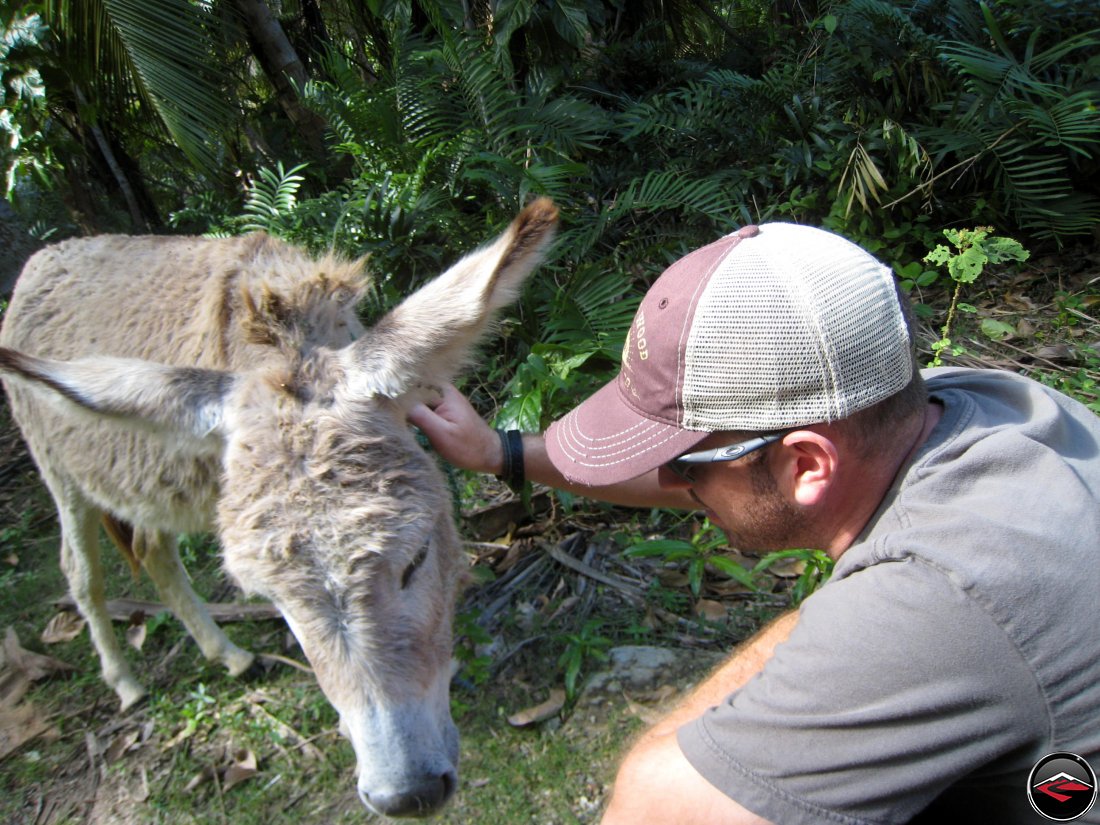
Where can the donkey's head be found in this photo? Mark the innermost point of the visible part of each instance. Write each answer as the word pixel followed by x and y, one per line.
pixel 330 508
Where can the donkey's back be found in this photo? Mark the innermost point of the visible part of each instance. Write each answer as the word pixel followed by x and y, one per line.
pixel 178 301
pixel 175 300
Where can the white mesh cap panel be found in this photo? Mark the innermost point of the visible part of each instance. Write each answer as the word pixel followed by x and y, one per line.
pixel 797 326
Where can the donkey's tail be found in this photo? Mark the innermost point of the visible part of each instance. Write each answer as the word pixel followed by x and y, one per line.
pixel 127 540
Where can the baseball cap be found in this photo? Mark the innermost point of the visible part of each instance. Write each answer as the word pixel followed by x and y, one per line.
pixel 773 326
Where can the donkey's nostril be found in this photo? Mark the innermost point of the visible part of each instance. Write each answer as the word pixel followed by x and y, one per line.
pixel 423 799
pixel 450 784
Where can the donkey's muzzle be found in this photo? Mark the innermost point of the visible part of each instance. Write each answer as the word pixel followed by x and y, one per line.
pixel 423 799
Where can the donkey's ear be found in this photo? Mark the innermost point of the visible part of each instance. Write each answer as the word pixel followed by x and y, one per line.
pixel 186 402
pixel 429 335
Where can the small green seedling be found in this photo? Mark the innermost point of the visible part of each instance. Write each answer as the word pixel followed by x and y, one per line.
pixel 974 248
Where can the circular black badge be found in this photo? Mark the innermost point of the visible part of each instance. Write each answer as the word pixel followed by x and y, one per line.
pixel 1062 786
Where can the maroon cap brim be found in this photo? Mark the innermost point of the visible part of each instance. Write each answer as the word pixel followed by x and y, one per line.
pixel 605 441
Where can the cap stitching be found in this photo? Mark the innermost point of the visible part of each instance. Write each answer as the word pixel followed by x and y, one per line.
pixel 639 451
pixel 616 441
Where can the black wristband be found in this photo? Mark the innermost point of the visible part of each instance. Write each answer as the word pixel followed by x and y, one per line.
pixel 511 447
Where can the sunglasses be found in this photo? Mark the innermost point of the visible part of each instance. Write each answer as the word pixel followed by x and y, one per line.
pixel 683 465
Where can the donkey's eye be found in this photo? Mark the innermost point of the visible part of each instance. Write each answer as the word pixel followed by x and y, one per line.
pixel 414 565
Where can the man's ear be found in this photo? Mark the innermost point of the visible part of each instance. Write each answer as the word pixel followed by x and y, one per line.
pixel 810 461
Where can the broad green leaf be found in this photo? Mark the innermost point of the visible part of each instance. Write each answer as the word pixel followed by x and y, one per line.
pixel 967 265
pixel 732 569
pixel 997 330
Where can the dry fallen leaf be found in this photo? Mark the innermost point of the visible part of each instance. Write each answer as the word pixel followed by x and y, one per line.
pixel 788 568
pixel 141 793
pixel 1018 301
pixel 710 610
pixel 566 605
pixel 135 632
pixel 651 716
pixel 19 725
pixel 11 559
pixel 514 553
pixel 1055 352
pixel 201 778
pixel 122 743
pixel 672 578
pixel 727 587
pixel 243 767
pixel 33 666
pixel 63 627
pixel 539 713
pixel 20 721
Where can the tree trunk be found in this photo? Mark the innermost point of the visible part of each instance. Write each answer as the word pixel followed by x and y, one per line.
pixel 282 66
pixel 108 155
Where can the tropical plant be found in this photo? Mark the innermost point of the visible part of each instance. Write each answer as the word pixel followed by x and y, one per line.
pixel 1029 119
pixel 586 645
pixel 698 552
pixel 96 78
pixel 973 249
pixel 816 566
pixel 271 198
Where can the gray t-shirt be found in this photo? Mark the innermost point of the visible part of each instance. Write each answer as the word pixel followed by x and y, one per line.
pixel 958 641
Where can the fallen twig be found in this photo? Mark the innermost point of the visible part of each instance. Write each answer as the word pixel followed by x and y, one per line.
pixel 561 557
pixel 286 660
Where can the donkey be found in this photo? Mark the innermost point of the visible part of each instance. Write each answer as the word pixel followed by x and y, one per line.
pixel 177 384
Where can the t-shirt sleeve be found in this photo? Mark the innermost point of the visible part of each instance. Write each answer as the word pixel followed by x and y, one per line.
pixel 893 686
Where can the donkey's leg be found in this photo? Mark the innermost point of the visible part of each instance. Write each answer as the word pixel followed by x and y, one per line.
pixel 161 559
pixel 80 563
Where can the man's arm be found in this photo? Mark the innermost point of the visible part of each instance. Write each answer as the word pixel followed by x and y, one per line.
pixel 461 437
pixel 657 784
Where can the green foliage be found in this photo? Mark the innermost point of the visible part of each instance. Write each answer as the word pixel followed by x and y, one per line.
pixel 817 568
pixel 581 648
pixel 469 637
pixel 272 198
pixel 200 707
pixel 1081 382
pixel 703 549
pixel 1026 117
pixel 973 249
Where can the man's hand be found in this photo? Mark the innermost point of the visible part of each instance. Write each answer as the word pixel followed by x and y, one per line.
pixel 458 433
pixel 461 437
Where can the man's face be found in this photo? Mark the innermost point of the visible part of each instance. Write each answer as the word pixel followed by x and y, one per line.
pixel 743 499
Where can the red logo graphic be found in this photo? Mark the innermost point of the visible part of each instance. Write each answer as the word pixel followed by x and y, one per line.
pixel 1062 787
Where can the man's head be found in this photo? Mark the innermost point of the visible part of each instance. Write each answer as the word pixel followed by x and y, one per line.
pixel 771 328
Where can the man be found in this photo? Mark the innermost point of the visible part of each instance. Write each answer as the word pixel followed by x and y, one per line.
pixel 958 640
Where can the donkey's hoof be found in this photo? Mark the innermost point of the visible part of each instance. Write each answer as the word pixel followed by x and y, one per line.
pixel 239 662
pixel 130 694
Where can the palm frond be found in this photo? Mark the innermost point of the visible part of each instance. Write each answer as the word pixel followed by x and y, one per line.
pixel 271 197
pixel 154 50
pixel 591 312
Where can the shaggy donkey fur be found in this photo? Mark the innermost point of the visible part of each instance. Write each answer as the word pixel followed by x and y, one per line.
pixel 181 384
